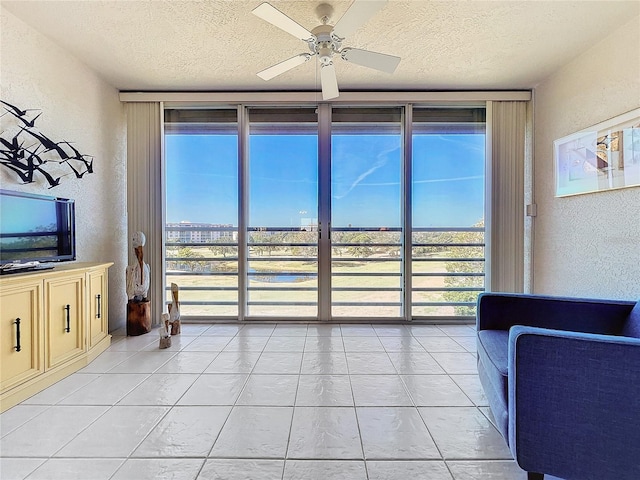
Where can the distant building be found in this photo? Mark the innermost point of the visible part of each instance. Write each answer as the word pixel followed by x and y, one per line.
pixel 189 232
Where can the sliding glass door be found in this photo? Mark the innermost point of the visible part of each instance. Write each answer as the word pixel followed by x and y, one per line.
pixel 326 212
pixel 366 212
pixel 201 231
pixel 447 240
pixel 282 218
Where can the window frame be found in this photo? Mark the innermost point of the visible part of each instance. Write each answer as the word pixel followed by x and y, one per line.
pixel 324 111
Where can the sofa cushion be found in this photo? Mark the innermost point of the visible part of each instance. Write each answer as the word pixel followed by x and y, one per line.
pixel 493 352
pixel 631 326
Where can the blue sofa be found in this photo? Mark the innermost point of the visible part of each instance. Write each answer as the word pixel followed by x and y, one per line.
pixel 562 378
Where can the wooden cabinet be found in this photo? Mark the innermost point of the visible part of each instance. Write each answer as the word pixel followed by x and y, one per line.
pixel 52 323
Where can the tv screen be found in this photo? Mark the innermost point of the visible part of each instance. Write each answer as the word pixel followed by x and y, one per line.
pixel 36 228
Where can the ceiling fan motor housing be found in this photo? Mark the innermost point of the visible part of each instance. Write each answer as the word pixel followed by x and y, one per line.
pixel 324 44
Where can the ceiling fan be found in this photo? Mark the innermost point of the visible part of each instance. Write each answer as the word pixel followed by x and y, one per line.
pixel 325 41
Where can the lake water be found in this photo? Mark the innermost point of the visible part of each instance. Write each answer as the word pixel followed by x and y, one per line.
pixel 278 277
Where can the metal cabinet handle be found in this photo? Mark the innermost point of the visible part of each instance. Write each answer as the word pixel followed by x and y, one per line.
pixel 68 329
pixel 17 347
pixel 99 299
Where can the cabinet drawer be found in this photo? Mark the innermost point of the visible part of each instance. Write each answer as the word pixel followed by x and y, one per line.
pixel 21 356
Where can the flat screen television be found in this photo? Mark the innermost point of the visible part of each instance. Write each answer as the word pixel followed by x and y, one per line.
pixel 36 228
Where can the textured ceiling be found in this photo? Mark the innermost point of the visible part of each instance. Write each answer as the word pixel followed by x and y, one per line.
pixel 220 45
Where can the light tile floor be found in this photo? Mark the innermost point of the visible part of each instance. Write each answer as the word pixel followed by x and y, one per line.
pixel 266 401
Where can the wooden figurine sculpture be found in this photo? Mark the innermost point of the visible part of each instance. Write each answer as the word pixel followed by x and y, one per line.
pixel 138 307
pixel 174 310
pixel 165 336
pixel 138 273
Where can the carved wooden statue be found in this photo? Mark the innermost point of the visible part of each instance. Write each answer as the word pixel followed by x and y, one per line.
pixel 138 307
pixel 174 310
pixel 138 273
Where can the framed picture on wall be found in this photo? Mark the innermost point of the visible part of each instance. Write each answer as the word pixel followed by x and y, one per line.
pixel 603 157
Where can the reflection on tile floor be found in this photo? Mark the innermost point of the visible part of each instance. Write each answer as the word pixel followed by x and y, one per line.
pixel 265 401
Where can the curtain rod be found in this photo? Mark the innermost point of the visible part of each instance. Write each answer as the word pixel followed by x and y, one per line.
pixel 315 98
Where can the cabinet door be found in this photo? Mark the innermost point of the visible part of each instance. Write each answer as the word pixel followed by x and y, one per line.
pixel 64 324
pixel 98 317
pixel 20 340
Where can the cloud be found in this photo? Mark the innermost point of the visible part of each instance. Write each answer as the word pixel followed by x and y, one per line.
pixel 381 160
pixel 457 179
pixel 433 180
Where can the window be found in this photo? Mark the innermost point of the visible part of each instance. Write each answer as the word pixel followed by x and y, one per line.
pixel 282 220
pixel 201 204
pixel 404 233
pixel 366 212
pixel 447 189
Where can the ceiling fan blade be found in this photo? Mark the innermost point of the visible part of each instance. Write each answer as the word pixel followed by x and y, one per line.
pixel 275 17
pixel 358 13
pixel 280 68
pixel 379 61
pixel 329 82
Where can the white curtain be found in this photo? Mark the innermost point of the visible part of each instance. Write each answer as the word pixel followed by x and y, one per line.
pixel 510 128
pixel 144 192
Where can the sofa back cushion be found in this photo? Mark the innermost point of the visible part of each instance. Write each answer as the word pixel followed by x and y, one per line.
pixel 632 325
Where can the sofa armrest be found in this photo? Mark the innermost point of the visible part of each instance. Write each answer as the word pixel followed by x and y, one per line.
pixel 574 403
pixel 501 311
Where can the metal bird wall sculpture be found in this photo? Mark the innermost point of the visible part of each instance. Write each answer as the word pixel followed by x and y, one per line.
pixel 29 151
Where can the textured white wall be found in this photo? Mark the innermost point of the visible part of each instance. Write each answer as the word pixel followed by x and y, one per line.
pixel 587 245
pixel 79 107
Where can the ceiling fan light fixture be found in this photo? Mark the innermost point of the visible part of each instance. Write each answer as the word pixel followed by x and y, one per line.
pixel 325 54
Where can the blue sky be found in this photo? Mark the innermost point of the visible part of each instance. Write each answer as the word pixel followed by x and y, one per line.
pixel 448 179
